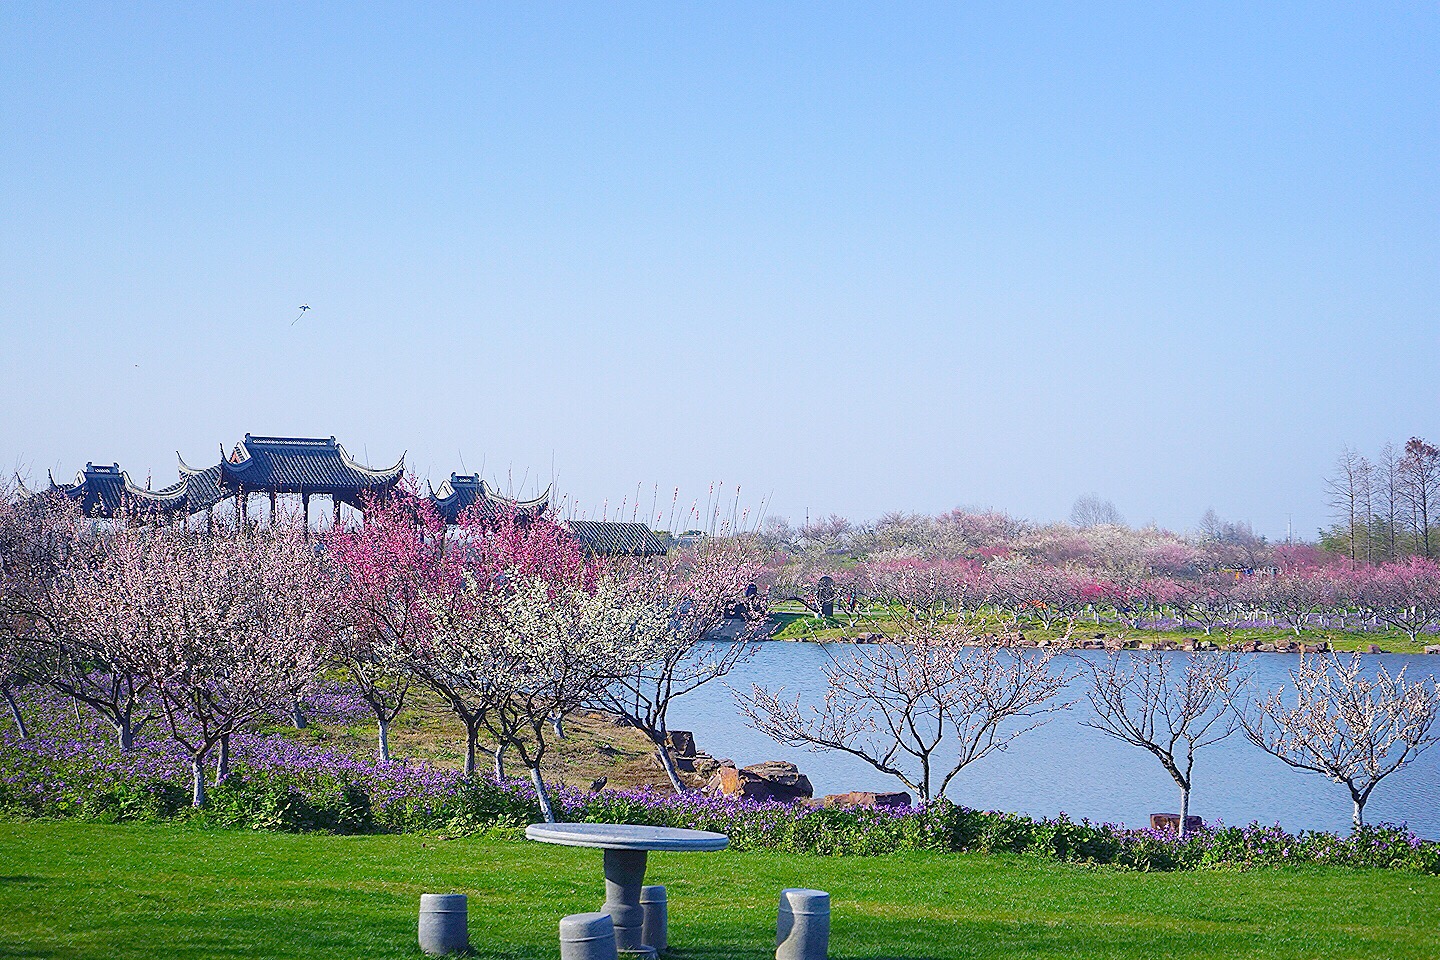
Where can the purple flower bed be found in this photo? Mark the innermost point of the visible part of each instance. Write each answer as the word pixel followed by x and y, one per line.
pixel 67 770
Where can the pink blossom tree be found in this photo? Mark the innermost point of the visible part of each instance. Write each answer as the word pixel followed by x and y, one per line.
pixel 1291 597
pixel 462 654
pixel 1404 594
pixel 387 568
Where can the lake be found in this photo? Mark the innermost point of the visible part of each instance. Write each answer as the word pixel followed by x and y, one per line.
pixel 1069 768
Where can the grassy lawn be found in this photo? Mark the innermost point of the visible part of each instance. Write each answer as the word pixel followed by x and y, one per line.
pixel 71 890
pixel 793 622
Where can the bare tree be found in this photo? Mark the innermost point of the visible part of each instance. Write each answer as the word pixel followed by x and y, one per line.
pixel 1349 492
pixel 1143 699
pixel 1420 488
pixel 1388 486
pixel 1345 726
pixel 920 709
pixel 1093 510
pixel 1231 543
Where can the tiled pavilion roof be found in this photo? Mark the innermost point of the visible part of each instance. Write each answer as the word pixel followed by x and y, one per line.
pixel 616 539
pixel 463 491
pixel 104 491
pixel 303 465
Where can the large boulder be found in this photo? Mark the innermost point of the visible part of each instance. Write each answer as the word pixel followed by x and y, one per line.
pixel 680 742
pixel 771 780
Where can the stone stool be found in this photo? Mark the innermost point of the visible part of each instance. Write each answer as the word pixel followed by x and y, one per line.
pixel 802 931
pixel 443 923
pixel 587 936
pixel 655 930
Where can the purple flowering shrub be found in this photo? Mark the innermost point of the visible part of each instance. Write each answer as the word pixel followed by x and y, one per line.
pixel 70 770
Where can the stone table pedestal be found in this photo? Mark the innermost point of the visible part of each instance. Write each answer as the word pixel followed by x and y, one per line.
pixel 626 849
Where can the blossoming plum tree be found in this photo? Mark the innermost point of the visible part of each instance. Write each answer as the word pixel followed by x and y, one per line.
pixel 1344 725
pixel 1146 700
pixel 919 709
pixel 678 606
pixel 386 569
pixel 227 627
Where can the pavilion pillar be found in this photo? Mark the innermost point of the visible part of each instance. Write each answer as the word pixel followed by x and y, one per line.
pixel 242 504
pixel 305 513
pixel 272 507
pixel 335 500
pixel 209 519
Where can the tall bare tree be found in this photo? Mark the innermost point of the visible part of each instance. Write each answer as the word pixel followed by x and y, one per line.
pixel 1149 700
pixel 1420 489
pixel 1348 489
pixel 1345 726
pixel 1093 510
pixel 1387 490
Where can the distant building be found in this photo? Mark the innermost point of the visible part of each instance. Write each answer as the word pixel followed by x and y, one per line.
pixel 320 466
pixel 270 466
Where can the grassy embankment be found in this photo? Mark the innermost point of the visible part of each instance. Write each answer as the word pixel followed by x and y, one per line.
pixel 795 623
pixel 427 730
pixel 80 891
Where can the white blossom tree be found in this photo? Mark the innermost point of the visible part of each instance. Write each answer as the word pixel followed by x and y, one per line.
pixel 559 645
pixel 227 627
pixel 679 605
pixel 1345 726
pixel 919 709
pixel 1153 701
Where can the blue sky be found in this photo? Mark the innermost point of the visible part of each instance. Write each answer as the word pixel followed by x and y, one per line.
pixel 852 258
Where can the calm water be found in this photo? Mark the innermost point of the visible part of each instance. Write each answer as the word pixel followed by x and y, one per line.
pixel 1065 767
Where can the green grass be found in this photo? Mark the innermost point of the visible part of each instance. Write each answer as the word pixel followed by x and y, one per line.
pixel 795 623
pixel 72 890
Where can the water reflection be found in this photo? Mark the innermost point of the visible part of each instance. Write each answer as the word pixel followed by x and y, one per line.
pixel 1069 768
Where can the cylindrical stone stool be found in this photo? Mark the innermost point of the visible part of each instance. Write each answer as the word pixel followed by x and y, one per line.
pixel 443 923
pixel 655 930
pixel 803 929
pixel 587 936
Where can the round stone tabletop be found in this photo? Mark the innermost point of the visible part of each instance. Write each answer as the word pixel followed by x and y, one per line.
pixel 624 836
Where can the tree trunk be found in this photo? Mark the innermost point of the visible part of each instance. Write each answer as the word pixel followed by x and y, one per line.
pixel 542 795
pixel 222 760
pixel 384 741
pixel 297 716
pixel 558 722
pixel 668 763
pixel 1184 809
pixel 471 736
pixel 500 763
pixel 197 771
pixel 125 734
pixel 1359 811
pixel 15 713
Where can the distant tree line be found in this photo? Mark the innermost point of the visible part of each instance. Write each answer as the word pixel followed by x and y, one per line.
pixel 1385 508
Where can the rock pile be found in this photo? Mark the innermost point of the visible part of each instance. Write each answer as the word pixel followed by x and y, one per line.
pixel 771 780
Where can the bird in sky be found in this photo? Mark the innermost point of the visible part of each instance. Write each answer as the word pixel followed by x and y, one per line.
pixel 303 308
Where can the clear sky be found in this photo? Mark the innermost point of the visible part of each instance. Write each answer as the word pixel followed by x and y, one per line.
pixel 853 257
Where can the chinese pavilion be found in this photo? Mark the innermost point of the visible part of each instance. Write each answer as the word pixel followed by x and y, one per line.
pixel 307 467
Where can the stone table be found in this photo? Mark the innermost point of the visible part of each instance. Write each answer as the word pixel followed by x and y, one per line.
pixel 626 847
